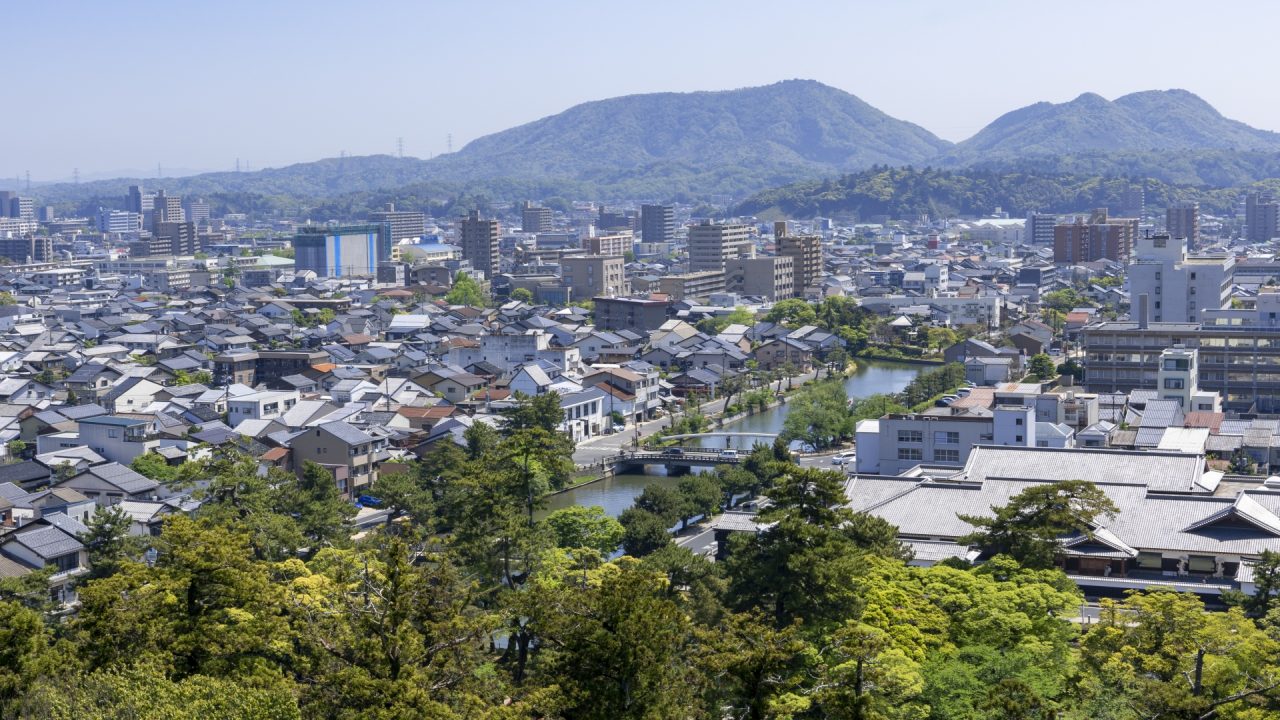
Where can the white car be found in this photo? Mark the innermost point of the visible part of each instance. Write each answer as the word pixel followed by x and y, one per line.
pixel 842 458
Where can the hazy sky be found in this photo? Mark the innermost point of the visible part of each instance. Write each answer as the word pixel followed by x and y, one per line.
pixel 110 86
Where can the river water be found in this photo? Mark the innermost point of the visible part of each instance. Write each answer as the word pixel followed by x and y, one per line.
pixel 617 493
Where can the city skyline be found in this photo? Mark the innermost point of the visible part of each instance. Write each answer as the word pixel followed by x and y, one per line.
pixel 363 83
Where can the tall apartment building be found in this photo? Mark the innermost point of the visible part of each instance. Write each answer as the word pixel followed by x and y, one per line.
pixel 198 210
pixel 806 253
pixel 1101 238
pixel 618 243
pixel 710 245
pixel 631 313
pixel 24 249
pixel 657 223
pixel 139 201
pixel 479 240
pixel 342 251
pixel 1183 221
pixel 166 209
pixel 13 205
pixel 174 238
pixel 613 221
pixel 404 224
pixel 534 219
pixel 1178 285
pixel 1039 228
pixel 1133 202
pixel 587 276
pixel 772 277
pixel 1261 217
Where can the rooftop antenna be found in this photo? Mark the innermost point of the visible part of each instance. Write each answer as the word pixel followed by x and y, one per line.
pixel 28 181
pixel 449 139
pixel 237 164
pixel 75 175
pixel 159 171
pixel 400 146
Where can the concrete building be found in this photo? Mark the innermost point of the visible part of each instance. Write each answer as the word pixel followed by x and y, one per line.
pixel 534 219
pixel 617 243
pixel 479 240
pixel 770 277
pixel 117 221
pixel 657 223
pixel 1178 379
pixel 343 250
pixel 1039 229
pixel 806 254
pixel 896 443
pixel 404 224
pixel 692 285
pixel 168 238
pixel 587 276
pixel 1178 286
pixel 1101 238
pixel 198 210
pixel 630 313
pixel 1261 217
pixel 711 245
pixel 138 201
pixel 27 249
pixel 1183 221
pixel 166 209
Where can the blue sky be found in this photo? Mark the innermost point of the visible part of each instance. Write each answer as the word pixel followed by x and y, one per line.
pixel 109 86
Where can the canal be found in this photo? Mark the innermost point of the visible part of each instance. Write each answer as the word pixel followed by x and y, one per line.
pixel 617 493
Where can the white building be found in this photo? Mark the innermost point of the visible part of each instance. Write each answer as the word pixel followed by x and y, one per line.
pixel 1178 286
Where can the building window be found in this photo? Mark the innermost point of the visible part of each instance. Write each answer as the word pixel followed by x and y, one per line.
pixel 66 563
pixel 946 438
pixel 1017 421
pixel 910 436
pixel 910 454
pixel 1174 383
pixel 946 455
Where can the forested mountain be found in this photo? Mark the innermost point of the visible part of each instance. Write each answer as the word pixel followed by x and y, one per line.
pixel 907 192
pixel 1155 121
pixel 709 145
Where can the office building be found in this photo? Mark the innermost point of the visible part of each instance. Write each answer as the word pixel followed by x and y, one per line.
pixel 534 219
pixel 1133 202
pixel 692 285
pixel 805 252
pixel 710 245
pixel 617 243
pixel 118 221
pixel 166 209
pixel 1183 221
pixel 772 278
pixel 657 223
pixel 896 443
pixel 479 239
pixel 15 206
pixel 198 211
pixel 587 276
pixel 1261 217
pixel 139 201
pixel 342 251
pixel 1039 229
pixel 27 249
pixel 173 238
pixel 613 221
pixel 1101 238
pixel 1178 286
pixel 1240 362
pixel 404 224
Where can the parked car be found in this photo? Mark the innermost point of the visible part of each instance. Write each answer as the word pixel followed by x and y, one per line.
pixel 674 451
pixel 842 458
pixel 729 454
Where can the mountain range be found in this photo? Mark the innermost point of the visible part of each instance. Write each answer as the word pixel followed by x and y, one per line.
pixel 733 143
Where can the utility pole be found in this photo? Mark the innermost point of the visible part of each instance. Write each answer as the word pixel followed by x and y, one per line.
pixel 28 181
pixel 75 175
pixel 400 147
pixel 449 141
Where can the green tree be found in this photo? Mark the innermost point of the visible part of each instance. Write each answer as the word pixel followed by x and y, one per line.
pixel 317 505
pixel 465 291
pixel 108 541
pixel 154 465
pixel 7 298
pixel 405 495
pixel 25 654
pixel 15 449
pixel 792 312
pixel 1041 366
pixel 522 295
pixel 585 527
pixel 699 495
pixel 760 672
pixel 1029 527
pixel 819 415
pixel 643 532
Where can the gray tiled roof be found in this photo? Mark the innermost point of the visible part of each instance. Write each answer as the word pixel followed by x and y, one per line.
pixel 1168 471
pixel 47 541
